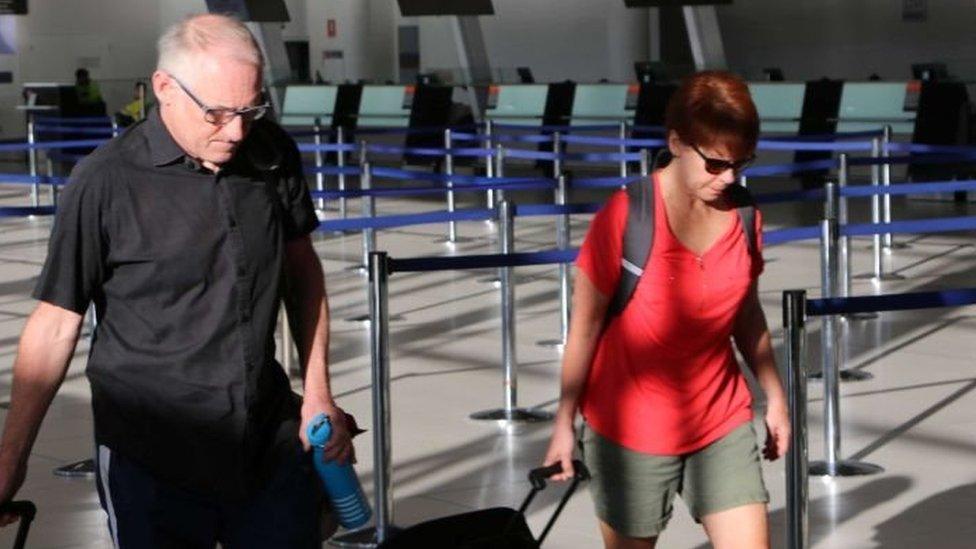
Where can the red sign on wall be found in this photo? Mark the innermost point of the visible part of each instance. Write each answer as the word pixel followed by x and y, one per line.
pixel 330 28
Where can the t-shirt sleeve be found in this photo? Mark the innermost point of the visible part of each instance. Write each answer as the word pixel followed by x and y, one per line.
pixel 758 263
pixel 300 218
pixel 599 256
pixel 75 264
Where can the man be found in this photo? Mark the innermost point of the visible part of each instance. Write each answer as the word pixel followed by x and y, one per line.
pixel 185 232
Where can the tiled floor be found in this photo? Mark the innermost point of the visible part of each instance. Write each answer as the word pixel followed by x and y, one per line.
pixel 916 417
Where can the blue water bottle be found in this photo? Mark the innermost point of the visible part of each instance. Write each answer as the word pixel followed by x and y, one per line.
pixel 340 481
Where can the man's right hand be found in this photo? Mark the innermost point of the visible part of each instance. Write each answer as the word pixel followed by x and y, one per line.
pixel 11 479
pixel 561 451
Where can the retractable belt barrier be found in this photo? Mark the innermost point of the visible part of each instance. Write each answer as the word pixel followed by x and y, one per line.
pixel 796 309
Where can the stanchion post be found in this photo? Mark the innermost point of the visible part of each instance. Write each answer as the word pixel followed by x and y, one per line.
pixel 645 162
pixel 287 348
pixel 384 528
pixel 369 211
pixel 449 171
pixel 499 171
pixel 557 161
pixel 341 163
pixel 489 162
pixel 319 176
pixel 115 127
pixel 794 328
pixel 622 149
pixel 830 353
pixel 32 162
pixel 510 412
pixel 886 182
pixel 744 181
pixel 878 267
pixel 844 249
pixel 562 242
pixel 379 345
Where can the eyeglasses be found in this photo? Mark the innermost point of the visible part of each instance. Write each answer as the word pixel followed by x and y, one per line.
pixel 716 166
pixel 219 116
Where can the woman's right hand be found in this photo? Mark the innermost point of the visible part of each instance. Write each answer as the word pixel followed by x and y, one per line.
pixel 561 451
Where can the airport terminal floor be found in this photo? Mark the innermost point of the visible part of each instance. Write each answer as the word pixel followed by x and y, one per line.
pixel 915 417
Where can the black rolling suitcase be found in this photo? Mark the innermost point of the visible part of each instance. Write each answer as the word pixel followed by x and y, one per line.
pixel 26 511
pixel 495 528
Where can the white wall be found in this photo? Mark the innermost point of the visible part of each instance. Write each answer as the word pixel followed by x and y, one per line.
pixel 583 40
pixel 847 39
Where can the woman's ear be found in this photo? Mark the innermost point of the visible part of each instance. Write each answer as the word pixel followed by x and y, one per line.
pixel 675 145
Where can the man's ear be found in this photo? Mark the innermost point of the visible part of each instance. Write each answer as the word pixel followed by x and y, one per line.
pixel 163 87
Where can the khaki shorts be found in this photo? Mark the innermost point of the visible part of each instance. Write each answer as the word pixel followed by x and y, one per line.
pixel 633 492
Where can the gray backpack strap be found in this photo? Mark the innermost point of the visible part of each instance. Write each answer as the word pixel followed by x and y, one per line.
pixel 745 206
pixel 638 238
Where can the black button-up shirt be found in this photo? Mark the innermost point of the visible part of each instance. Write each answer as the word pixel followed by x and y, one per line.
pixel 184 267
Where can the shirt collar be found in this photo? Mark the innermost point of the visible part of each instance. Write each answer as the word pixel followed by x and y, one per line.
pixel 163 148
pixel 258 150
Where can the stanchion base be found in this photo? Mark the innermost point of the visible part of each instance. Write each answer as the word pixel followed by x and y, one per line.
pixel 364 537
pixel 457 239
pixel 364 319
pixel 846 375
pixel 515 415
pixel 79 469
pixel 860 316
pixel 357 268
pixel 844 468
pixel 556 344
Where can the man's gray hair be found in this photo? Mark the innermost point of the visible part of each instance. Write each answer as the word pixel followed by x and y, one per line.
pixel 198 34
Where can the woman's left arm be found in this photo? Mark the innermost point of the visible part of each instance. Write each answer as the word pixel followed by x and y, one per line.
pixel 753 340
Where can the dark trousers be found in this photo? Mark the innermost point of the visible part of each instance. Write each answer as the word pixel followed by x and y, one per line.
pixel 145 513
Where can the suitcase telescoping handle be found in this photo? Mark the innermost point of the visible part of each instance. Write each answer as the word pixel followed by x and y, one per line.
pixel 538 479
pixel 26 510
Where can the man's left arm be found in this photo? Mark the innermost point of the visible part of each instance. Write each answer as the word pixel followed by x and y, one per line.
pixel 308 316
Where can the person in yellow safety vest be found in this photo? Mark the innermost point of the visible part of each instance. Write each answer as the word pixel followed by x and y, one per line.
pixel 135 110
pixel 86 90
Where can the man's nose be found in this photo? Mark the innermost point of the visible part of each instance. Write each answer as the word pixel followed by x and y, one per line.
pixel 235 129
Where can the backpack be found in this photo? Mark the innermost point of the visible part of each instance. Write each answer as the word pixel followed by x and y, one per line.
pixel 639 232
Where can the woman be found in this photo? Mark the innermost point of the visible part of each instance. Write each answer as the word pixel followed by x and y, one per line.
pixel 665 405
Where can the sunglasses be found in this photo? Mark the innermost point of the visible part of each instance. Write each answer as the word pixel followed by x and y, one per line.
pixel 716 166
pixel 220 116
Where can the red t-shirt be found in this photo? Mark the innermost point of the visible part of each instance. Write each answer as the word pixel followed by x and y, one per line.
pixel 664 379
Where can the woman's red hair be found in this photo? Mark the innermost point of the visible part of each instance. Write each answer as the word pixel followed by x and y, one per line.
pixel 714 109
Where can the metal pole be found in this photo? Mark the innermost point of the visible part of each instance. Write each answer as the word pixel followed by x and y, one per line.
pixel 876 210
pixel 794 320
pixel 744 181
pixel 115 127
pixel 369 211
pixel 623 149
pixel 50 182
pixel 830 353
pixel 319 176
pixel 287 349
pixel 844 258
pixel 499 171
pixel 32 163
pixel 562 242
pixel 557 161
pixel 645 162
pixel 886 181
pixel 510 412
pixel 384 528
pixel 379 345
pixel 506 218
pixel 449 171
pixel 341 163
pixel 489 162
